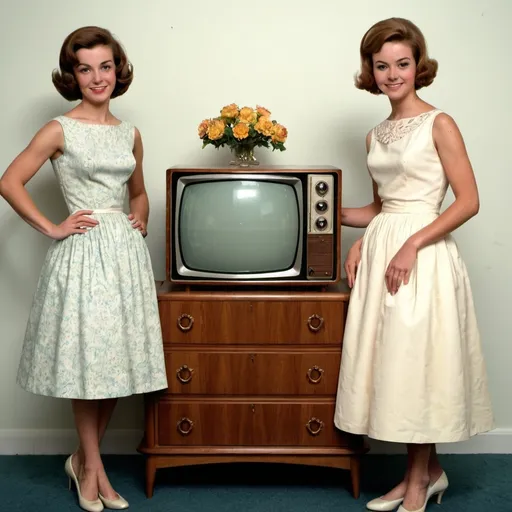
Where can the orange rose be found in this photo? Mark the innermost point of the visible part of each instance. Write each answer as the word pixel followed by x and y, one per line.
pixel 216 129
pixel 248 115
pixel 230 111
pixel 241 131
pixel 279 133
pixel 264 126
pixel 202 129
pixel 262 111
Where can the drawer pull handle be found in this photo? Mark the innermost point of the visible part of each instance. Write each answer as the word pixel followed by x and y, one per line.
pixel 315 322
pixel 185 426
pixel 185 322
pixel 184 374
pixel 315 374
pixel 315 426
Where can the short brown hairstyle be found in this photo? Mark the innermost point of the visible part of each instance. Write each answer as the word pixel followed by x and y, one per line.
pixel 400 30
pixel 89 37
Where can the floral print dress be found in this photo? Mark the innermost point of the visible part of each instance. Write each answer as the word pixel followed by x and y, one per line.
pixel 94 329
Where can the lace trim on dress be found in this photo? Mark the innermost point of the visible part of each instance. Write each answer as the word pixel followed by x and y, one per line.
pixel 391 131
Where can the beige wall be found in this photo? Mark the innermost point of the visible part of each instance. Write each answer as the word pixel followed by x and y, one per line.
pixel 297 58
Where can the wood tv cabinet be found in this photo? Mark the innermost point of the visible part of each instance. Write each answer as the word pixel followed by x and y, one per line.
pixel 252 378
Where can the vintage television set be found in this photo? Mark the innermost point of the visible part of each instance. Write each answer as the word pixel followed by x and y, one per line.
pixel 256 225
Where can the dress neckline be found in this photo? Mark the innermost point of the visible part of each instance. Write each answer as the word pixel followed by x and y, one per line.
pixel 91 124
pixel 412 117
pixel 389 131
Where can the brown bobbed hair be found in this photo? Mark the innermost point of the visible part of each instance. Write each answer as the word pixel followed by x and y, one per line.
pixel 394 30
pixel 89 37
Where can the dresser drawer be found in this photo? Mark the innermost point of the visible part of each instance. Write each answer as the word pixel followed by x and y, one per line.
pixel 252 322
pixel 243 423
pixel 256 372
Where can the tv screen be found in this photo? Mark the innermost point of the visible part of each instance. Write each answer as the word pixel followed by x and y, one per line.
pixel 239 226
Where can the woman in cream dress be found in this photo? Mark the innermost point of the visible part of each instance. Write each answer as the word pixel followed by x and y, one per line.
pixel 412 367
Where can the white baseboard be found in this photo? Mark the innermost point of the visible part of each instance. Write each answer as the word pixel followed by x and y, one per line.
pixel 123 442
pixel 496 441
pixel 60 442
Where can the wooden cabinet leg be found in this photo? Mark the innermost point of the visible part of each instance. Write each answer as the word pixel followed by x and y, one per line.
pixel 150 476
pixel 355 474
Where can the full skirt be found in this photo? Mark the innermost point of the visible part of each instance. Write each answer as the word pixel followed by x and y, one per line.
pixel 412 366
pixel 94 328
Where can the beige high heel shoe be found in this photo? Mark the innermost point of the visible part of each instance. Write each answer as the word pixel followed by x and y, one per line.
pixel 380 505
pixel 118 503
pixel 88 505
pixel 438 487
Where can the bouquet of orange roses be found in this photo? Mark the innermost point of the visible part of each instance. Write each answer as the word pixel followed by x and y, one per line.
pixel 244 128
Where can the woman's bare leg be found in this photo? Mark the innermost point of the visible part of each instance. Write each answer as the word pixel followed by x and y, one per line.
pixel 105 410
pixel 418 478
pixel 87 466
pixel 434 466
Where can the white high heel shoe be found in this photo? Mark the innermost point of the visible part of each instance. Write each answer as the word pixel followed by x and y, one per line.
pixel 88 505
pixel 118 503
pixel 381 505
pixel 438 487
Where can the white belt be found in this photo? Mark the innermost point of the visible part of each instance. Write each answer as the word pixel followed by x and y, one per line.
pixel 108 210
pixel 102 210
pixel 408 208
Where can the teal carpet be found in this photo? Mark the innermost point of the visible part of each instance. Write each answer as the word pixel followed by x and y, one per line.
pixel 478 483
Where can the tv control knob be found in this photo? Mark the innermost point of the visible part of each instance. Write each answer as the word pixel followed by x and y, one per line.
pixel 321 206
pixel 321 188
pixel 321 223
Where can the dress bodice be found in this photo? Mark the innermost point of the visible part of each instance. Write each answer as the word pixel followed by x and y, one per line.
pixel 96 164
pixel 404 163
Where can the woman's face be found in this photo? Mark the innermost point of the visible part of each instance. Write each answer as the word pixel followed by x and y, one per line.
pixel 96 73
pixel 394 70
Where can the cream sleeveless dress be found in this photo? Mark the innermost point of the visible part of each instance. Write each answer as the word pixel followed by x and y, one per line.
pixel 412 368
pixel 94 329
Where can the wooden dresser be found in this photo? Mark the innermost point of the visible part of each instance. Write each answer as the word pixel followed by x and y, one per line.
pixel 252 378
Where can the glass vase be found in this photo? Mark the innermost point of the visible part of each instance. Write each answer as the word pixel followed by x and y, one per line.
pixel 243 156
